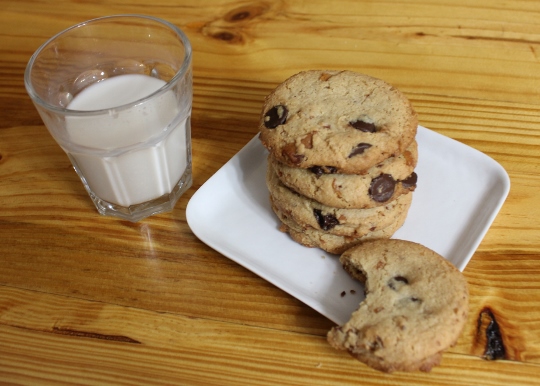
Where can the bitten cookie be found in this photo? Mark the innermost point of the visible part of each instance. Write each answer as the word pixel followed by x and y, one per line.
pixel 330 243
pixel 341 222
pixel 415 307
pixel 381 184
pixel 339 119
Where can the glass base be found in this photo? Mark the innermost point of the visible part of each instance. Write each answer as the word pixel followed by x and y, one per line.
pixel 137 212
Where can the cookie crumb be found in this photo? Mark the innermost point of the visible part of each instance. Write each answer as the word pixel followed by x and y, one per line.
pixel 319 365
pixel 352 292
pixel 343 293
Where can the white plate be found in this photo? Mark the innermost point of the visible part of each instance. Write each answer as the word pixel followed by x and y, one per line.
pixel 460 191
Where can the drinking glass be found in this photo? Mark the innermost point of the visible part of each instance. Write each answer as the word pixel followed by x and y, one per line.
pixel 116 95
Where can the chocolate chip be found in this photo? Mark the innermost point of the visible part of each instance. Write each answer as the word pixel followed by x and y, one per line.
pixel 410 181
pixel 401 279
pixel 320 170
pixel 276 116
pixel 414 299
pixel 359 149
pixel 376 344
pixel 326 221
pixel 394 283
pixel 366 127
pixel 382 188
pixel 317 170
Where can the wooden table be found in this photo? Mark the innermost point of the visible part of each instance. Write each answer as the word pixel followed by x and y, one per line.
pixel 86 299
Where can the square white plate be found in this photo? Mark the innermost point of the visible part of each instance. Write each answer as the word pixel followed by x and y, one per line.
pixel 460 191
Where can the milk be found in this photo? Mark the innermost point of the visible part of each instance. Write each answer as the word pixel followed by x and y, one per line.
pixel 128 155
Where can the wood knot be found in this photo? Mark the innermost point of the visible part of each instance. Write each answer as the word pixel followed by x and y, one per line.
pixel 245 13
pixel 224 35
pixel 228 36
pixel 240 16
pixel 489 335
pixel 235 26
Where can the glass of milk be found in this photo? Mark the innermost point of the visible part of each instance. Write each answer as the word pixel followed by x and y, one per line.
pixel 116 95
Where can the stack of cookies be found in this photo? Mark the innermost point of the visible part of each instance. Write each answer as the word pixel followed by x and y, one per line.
pixel 342 157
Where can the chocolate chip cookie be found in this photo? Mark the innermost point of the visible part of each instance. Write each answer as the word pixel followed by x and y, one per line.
pixel 415 307
pixel 336 119
pixel 380 185
pixel 341 222
pixel 314 238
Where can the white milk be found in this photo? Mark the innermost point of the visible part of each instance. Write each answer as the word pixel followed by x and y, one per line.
pixel 128 156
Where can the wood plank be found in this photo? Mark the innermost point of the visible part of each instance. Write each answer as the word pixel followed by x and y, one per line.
pixel 47 339
pixel 428 47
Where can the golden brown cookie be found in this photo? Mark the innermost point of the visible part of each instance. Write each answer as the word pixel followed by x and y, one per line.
pixel 314 238
pixel 415 307
pixel 340 222
pixel 339 119
pixel 380 185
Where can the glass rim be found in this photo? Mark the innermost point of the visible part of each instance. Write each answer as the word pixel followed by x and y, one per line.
pixel 166 87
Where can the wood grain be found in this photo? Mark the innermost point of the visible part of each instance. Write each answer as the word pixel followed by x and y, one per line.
pixel 54 339
pixel 86 299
